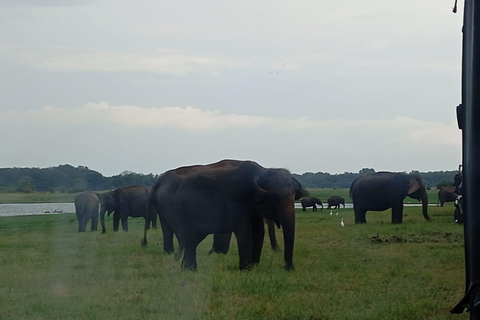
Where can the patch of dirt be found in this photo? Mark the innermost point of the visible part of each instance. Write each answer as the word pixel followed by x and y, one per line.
pixel 435 237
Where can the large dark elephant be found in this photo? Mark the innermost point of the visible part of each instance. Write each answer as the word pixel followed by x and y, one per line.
pixel 446 194
pixel 382 190
pixel 236 196
pixel 125 202
pixel 221 242
pixel 335 202
pixel 86 208
pixel 311 202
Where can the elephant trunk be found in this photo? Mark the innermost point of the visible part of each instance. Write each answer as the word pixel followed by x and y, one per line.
pixel 424 199
pixel 288 226
pixel 102 218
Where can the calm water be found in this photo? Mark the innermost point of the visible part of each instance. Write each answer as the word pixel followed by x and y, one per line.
pixel 24 209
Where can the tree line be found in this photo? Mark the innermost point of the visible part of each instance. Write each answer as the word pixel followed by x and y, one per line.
pixel 69 179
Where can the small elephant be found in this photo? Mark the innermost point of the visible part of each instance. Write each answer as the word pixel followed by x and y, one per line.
pixel 125 202
pixel 335 202
pixel 311 202
pixel 446 194
pixel 382 190
pixel 86 208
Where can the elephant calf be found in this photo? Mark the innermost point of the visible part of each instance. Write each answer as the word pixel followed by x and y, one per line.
pixel 86 208
pixel 311 202
pixel 125 202
pixel 335 202
pixel 446 194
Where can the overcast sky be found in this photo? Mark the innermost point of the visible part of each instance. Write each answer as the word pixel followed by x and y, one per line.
pixel 307 85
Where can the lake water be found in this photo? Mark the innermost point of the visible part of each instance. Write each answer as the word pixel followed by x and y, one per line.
pixel 25 209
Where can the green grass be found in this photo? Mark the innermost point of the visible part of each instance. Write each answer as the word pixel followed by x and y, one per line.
pixel 373 271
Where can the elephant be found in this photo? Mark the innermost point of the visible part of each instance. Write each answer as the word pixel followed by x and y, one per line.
pixel 161 201
pixel 221 242
pixel 125 202
pixel 236 196
pixel 311 202
pixel 382 190
pixel 335 202
pixel 86 208
pixel 446 194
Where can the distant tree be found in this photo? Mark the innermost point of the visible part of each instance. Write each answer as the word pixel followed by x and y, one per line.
pixel 365 171
pixel 25 186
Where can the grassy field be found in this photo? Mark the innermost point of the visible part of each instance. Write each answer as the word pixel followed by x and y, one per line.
pixel 34 197
pixel 373 271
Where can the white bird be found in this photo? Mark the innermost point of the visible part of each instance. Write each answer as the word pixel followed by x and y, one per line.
pixel 331 212
pixel 336 213
pixel 342 223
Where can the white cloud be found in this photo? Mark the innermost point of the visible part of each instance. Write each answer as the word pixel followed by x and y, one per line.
pixel 408 130
pixel 168 61
pixel 158 139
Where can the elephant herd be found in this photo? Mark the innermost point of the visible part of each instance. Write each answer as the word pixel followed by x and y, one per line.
pixel 228 196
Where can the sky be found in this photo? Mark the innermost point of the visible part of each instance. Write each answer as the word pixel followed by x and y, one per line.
pixel 307 85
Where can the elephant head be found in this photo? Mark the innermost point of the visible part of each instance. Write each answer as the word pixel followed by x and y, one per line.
pixel 277 191
pixel 416 190
pixel 108 205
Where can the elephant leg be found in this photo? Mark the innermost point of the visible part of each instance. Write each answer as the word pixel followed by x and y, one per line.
pixel 167 239
pixel 360 214
pixel 244 242
pixel 304 208
pixel 116 221
pixel 221 243
pixel 125 223
pixel 258 235
pixel 271 235
pixel 154 221
pixel 189 261
pixel 94 223
pixel 397 213
pixel 314 207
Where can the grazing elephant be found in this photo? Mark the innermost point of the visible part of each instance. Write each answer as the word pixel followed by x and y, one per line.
pixel 446 194
pixel 221 242
pixel 236 196
pixel 161 201
pixel 335 202
pixel 382 190
pixel 86 208
pixel 311 202
pixel 125 202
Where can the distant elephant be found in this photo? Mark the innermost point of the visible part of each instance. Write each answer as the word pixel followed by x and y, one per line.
pixel 125 202
pixel 236 196
pixel 86 208
pixel 221 242
pixel 335 202
pixel 382 190
pixel 446 194
pixel 311 202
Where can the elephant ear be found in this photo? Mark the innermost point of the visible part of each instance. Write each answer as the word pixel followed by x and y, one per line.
pixel 300 192
pixel 414 186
